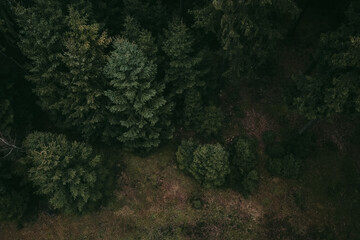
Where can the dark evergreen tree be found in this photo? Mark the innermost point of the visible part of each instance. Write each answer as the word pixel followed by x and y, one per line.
pixel 335 86
pixel 181 71
pixel 84 58
pixel 140 114
pixel 248 31
pixel 67 54
pixel 42 26
pixel 143 38
pixel 193 109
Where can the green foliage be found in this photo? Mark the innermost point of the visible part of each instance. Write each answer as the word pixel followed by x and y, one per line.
pixel 248 31
pixel 185 154
pixel 139 111
pixel 335 87
pixel 244 160
pixel 245 157
pixel 211 121
pixel 84 58
pixel 210 165
pixel 193 108
pixel 141 37
pixel 67 173
pixel 181 71
pixel 66 53
pixel 41 42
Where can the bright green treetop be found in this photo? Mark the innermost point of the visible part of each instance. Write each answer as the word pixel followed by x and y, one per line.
pixel 210 165
pixel 139 110
pixel 67 173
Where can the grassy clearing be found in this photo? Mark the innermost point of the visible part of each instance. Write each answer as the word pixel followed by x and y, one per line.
pixel 155 200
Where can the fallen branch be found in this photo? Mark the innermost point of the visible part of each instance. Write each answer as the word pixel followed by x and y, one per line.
pixel 7 147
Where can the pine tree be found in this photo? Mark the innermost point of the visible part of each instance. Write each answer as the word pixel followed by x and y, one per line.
pixel 181 72
pixel 84 58
pixel 42 26
pixel 141 37
pixel 67 173
pixel 140 112
pixel 66 55
pixel 335 86
pixel 248 31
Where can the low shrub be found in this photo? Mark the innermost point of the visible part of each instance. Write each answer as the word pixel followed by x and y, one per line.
pixel 244 155
pixel 185 154
pixel 244 160
pixel 210 165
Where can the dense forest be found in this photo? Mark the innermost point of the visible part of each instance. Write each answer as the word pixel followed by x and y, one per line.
pixel 159 119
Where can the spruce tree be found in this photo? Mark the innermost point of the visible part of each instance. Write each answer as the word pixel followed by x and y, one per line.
pixel 181 71
pixel 139 111
pixel 66 53
pixel 141 37
pixel 42 26
pixel 335 86
pixel 84 58
pixel 248 31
